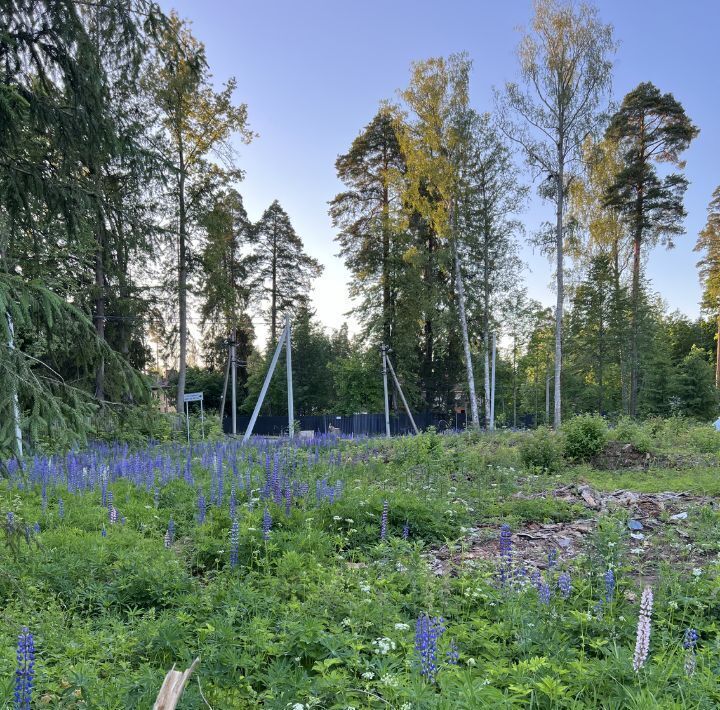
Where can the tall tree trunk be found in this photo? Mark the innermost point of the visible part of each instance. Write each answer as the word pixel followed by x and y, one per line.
pixel 557 419
pixel 182 284
pixel 486 325
pixel 717 355
pixel 466 338
pixel 634 323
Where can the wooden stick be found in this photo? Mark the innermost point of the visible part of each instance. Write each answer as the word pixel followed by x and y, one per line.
pixel 173 686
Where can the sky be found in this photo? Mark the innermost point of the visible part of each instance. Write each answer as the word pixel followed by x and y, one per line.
pixel 314 72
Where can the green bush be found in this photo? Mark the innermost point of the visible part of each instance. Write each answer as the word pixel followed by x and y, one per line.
pixel 585 437
pixel 628 431
pixel 541 450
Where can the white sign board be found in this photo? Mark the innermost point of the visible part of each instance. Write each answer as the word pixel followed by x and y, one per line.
pixel 193 397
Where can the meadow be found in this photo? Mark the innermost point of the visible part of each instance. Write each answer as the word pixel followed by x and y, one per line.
pixel 458 570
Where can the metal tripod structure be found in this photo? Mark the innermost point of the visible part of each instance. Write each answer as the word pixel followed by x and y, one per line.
pixel 387 364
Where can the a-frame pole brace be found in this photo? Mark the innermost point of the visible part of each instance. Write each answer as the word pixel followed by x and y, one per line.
pixel 385 391
pixel 402 394
pixel 266 384
pixel 224 394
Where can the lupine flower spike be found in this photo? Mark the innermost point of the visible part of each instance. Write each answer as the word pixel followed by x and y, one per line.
pixel 689 644
pixel 266 524
pixel 384 521
pixel 25 672
pixel 234 543
pixel 427 632
pixel 642 643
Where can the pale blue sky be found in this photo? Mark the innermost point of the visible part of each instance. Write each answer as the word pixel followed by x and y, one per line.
pixel 314 72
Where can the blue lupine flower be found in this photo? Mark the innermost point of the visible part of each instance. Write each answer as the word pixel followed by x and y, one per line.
pixel 690 639
pixel 61 508
pixel 170 533
pixel 552 559
pixel 545 593
pixel 10 521
pixel 266 524
pixel 25 672
pixel 689 644
pixel 609 586
pixel 113 515
pixel 384 521
pixel 453 655
pixel 201 508
pixel 36 528
pixel 565 585
pixel 427 632
pixel 103 532
pixel 234 543
pixel 233 501
pixel 406 530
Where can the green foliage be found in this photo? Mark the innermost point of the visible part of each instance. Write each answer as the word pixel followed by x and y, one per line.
pixel 541 450
pixel 584 437
pixel 694 385
pixel 629 431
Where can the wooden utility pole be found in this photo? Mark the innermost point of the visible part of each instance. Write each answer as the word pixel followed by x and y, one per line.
pixel 385 391
pixel 288 367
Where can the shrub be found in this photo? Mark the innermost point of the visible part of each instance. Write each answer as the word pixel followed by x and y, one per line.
pixel 585 437
pixel 541 450
pixel 628 431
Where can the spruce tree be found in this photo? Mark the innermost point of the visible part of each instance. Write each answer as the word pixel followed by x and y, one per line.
pixel 283 272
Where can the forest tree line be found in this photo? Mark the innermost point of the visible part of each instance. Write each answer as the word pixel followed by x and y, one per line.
pixel 124 241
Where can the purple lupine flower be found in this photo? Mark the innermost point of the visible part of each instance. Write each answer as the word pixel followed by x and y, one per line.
pixel 113 515
pixel 642 641
pixel 506 555
pixel 288 500
pixel 61 508
pixel 266 524
pixel 170 533
pixel 565 585
pixel 384 521
pixel 103 532
pixel 689 644
pixel 10 521
pixel 427 632
pixel 36 528
pixel 545 593
pixel 234 543
pixel 406 530
pixel 201 508
pixel 453 655
pixel 233 501
pixel 552 559
pixel 25 672
pixel 609 586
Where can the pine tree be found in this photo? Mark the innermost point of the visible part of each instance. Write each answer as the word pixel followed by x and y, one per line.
pixel 649 127
pixel 367 217
pixel 283 271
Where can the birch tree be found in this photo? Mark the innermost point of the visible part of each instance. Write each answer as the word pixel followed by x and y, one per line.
pixel 565 76
pixel 434 140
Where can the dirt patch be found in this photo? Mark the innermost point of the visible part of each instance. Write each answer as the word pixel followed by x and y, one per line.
pixel 657 531
pixel 531 546
pixel 617 456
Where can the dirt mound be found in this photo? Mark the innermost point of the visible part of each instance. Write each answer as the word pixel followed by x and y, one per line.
pixel 618 456
pixel 531 546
